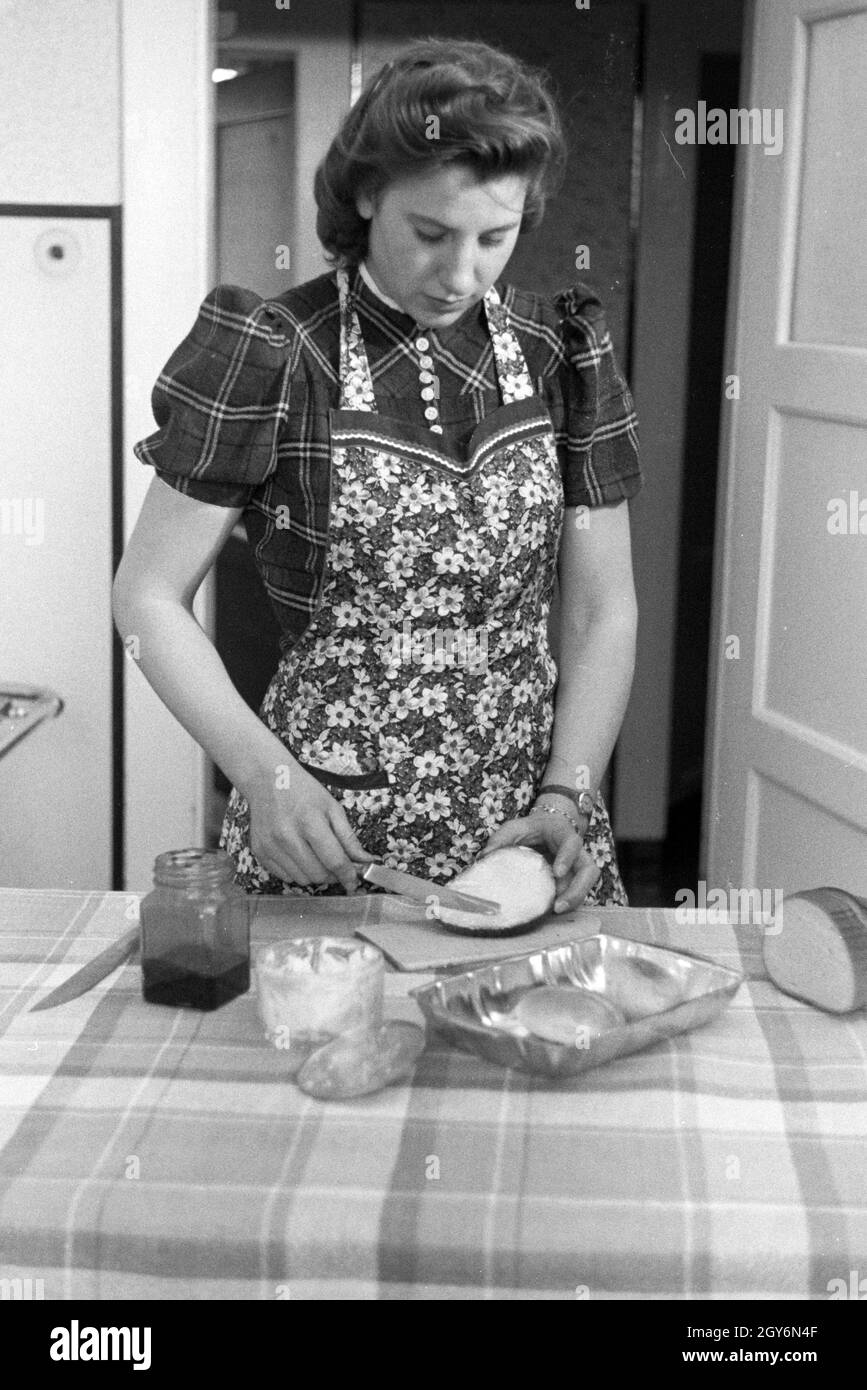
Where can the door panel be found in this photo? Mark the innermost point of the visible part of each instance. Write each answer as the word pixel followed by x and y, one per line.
pixel 830 285
pixel 822 697
pixel 785 826
pixel 788 752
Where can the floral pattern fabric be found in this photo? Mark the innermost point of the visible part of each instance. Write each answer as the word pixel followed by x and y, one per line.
pixel 426 666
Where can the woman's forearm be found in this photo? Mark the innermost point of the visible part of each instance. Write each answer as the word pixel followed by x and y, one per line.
pixel 596 665
pixel 182 665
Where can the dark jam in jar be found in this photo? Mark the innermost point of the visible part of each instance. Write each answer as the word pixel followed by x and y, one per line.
pixel 195 931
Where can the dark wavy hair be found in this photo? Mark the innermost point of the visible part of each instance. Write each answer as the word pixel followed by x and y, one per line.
pixel 495 116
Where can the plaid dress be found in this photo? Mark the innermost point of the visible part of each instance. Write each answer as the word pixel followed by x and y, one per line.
pixel 419 686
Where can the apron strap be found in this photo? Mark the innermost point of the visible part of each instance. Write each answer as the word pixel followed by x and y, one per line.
pixel 356 383
pixel 512 371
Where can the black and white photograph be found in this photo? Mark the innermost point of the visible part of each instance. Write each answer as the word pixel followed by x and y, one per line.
pixel 433 665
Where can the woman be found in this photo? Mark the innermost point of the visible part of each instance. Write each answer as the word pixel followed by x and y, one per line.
pixel 415 447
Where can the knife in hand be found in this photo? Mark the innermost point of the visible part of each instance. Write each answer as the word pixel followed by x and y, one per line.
pixel 420 890
pixel 91 974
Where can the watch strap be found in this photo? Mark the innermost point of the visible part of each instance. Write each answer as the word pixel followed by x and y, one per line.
pixel 582 801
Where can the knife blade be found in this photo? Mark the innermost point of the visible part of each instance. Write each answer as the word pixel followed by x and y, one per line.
pixel 91 974
pixel 419 889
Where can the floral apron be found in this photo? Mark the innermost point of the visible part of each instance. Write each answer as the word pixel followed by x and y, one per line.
pixel 421 693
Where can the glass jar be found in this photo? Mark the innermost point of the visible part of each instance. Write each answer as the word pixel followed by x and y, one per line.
pixel 311 990
pixel 195 931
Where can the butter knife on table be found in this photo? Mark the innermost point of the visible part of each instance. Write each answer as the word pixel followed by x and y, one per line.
pixel 91 974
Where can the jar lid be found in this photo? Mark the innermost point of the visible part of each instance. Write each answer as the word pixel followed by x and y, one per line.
pixel 194 865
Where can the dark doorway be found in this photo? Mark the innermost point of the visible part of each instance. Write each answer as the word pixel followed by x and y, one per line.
pixel 653 873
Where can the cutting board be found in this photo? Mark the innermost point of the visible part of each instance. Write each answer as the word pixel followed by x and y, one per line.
pixel 411 942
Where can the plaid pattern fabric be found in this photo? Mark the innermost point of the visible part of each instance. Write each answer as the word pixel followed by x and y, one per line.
pixel 242 409
pixel 149 1152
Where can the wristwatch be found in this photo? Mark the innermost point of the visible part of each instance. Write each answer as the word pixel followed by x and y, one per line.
pixel 585 802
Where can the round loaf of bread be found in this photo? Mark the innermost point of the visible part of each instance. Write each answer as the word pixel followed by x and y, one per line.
pixel 816 949
pixel 517 877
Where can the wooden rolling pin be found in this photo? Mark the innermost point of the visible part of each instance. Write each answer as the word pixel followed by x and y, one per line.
pixel 820 954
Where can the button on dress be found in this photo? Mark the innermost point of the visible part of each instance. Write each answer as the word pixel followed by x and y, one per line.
pixel 421 694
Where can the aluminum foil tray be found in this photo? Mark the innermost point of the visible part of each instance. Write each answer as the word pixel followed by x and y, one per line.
pixel 658 992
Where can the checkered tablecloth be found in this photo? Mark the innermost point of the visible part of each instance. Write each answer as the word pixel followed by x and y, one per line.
pixel 148 1152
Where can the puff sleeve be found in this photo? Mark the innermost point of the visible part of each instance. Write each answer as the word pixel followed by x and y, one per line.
pixel 597 437
pixel 221 399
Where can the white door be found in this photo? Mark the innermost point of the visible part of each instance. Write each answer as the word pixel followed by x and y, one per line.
pixel 787 750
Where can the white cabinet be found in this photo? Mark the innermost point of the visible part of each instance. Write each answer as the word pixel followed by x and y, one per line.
pixel 56 545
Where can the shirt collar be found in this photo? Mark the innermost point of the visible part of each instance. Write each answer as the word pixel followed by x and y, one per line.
pixel 369 296
pixel 372 285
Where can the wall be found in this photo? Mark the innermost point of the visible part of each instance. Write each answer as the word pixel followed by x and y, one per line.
pixel 60 102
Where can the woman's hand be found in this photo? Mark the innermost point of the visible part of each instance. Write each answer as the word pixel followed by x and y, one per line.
pixel 574 868
pixel 300 833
